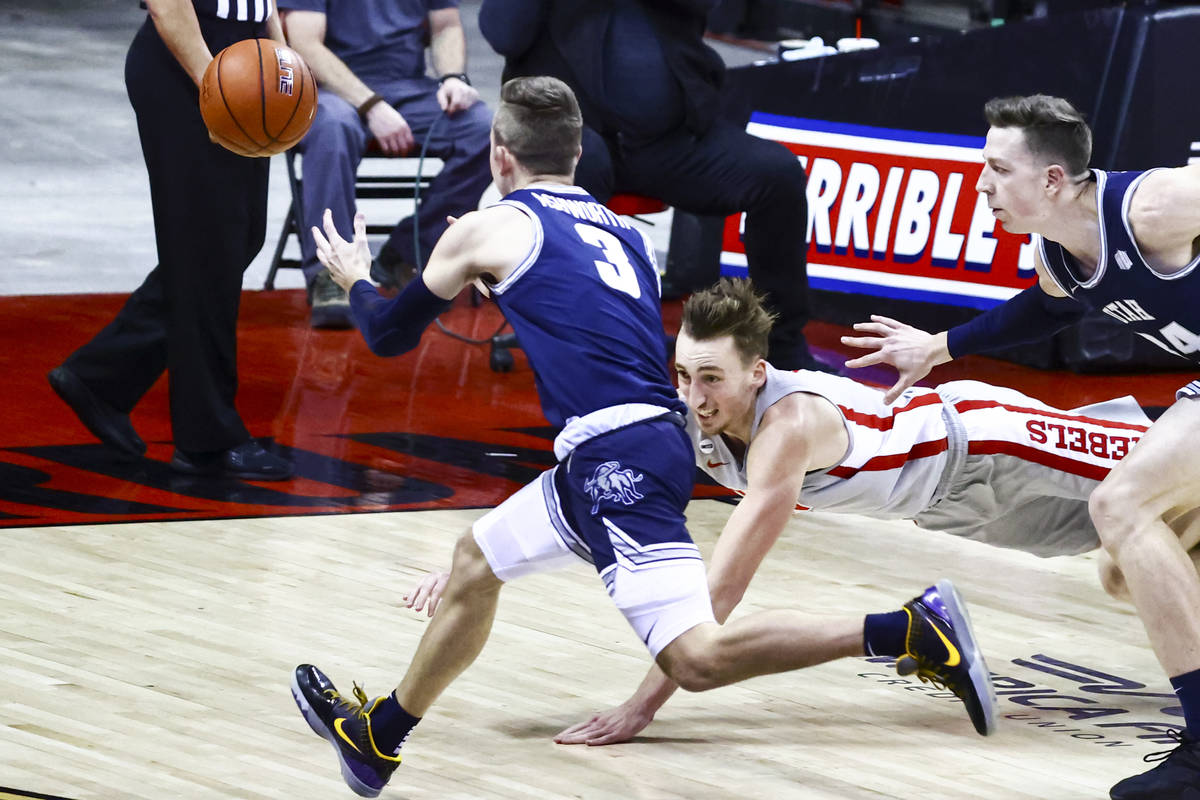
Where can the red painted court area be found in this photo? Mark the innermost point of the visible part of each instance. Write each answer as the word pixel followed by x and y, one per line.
pixel 435 428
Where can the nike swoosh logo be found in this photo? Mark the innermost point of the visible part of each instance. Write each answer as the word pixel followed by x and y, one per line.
pixel 337 726
pixel 714 464
pixel 953 661
pixel 953 658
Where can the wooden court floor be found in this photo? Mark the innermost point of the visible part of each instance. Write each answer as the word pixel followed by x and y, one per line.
pixel 151 660
pixel 149 625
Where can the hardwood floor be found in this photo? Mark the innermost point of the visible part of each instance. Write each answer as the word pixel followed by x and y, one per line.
pixel 152 660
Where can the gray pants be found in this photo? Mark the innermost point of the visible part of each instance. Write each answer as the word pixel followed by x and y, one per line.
pixel 1014 479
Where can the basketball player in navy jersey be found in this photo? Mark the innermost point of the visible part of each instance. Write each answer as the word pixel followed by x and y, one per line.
pixel 1126 244
pixel 979 461
pixel 617 496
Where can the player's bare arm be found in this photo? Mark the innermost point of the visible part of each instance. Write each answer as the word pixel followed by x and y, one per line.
pixel 775 466
pixel 1165 217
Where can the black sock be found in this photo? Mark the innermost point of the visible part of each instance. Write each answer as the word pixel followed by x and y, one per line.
pixel 391 725
pixel 884 634
pixel 1187 689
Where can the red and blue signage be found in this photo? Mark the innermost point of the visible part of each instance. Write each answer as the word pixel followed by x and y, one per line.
pixel 894 213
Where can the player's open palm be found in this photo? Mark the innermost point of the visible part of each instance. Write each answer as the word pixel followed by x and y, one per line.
pixel 614 726
pixel 427 593
pixel 347 261
pixel 912 351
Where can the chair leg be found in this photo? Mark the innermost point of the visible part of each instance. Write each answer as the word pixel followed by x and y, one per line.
pixel 293 221
pixel 500 357
pixel 289 227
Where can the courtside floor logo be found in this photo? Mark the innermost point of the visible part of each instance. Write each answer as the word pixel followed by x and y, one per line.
pixel 1064 699
pixel 17 794
pixel 894 213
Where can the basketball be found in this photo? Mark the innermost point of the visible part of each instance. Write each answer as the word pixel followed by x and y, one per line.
pixel 258 97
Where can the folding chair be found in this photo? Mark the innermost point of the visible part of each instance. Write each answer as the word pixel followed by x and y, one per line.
pixel 385 177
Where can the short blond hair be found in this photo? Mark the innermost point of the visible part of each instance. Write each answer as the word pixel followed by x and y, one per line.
pixel 731 307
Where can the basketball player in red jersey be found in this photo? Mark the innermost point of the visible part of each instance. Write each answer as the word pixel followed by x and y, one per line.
pixel 979 461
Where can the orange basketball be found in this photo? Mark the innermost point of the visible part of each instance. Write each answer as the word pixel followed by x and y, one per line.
pixel 258 97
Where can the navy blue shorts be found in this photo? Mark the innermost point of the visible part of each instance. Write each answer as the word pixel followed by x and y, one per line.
pixel 618 502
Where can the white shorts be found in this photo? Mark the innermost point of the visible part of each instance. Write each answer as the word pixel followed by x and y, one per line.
pixel 662 589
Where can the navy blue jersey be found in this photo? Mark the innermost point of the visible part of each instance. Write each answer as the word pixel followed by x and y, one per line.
pixel 585 306
pixel 1163 308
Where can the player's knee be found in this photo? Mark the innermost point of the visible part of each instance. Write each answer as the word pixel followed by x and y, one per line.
pixel 470 568
pixel 1114 510
pixel 693 662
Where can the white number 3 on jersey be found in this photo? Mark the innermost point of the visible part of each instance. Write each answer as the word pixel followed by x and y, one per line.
pixel 617 272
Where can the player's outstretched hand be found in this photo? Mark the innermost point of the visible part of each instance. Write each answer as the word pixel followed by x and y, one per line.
pixel 614 726
pixel 428 592
pixel 347 262
pixel 912 351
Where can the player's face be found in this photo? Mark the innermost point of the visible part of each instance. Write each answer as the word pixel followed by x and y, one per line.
pixel 717 385
pixel 1013 181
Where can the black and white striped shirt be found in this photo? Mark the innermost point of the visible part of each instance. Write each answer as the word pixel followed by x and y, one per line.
pixel 241 10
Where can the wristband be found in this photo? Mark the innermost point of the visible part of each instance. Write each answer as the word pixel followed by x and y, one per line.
pixel 367 105
pixel 462 76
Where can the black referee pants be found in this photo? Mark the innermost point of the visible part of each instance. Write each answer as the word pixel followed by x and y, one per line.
pixel 723 172
pixel 210 209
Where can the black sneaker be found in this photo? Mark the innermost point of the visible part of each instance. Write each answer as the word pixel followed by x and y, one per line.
pixel 346 724
pixel 940 649
pixel 330 303
pixel 248 461
pixel 105 422
pixel 1176 778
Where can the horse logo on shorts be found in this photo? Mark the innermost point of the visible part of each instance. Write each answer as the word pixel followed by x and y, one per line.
pixel 610 482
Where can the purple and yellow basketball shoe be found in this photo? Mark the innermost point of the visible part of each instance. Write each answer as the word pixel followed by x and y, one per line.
pixel 940 648
pixel 346 724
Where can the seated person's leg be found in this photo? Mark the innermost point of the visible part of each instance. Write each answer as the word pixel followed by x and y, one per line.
pixel 462 142
pixel 331 150
pixel 726 171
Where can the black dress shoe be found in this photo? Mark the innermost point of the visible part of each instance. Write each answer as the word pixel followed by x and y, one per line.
pixel 105 422
pixel 248 460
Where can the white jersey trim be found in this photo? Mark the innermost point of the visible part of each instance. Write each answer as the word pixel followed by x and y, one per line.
pixel 1126 202
pixel 539 238
pixel 579 429
pixel 1102 264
